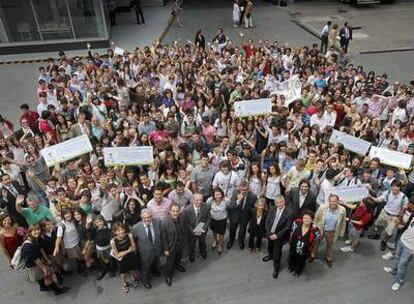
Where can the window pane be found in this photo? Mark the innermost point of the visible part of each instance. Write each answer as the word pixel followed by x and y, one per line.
pixel 18 20
pixel 53 19
pixel 87 18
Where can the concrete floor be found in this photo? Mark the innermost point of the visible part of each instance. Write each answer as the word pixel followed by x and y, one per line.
pixel 236 277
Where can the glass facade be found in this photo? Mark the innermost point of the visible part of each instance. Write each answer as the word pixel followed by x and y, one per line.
pixel 34 21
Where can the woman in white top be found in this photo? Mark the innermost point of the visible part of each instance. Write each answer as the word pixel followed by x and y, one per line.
pixel 236 13
pixel 272 184
pixel 218 213
pixel 68 240
pixel 256 179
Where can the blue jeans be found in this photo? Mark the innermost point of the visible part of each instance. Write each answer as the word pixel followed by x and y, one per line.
pixel 399 267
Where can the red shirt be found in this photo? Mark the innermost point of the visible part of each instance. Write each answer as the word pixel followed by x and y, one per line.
pixel 361 214
pixel 31 116
pixel 249 50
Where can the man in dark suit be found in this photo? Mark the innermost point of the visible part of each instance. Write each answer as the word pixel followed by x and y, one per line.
pixel 172 235
pixel 193 215
pixel 240 207
pixel 136 4
pixel 345 35
pixel 301 198
pixel 278 224
pixel 9 193
pixel 148 235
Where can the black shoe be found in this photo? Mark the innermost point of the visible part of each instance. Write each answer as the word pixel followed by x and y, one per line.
pixel 147 285
pixel 203 255
pixel 241 245
pixel 374 236
pixel 59 278
pixel 229 244
pixel 180 268
pixel 329 263
pixel 112 273
pixel 139 22
pixel 267 258
pixel 191 257
pixel 290 270
pixel 61 290
pixel 383 245
pixel 168 280
pixel 100 275
pixel 156 273
pixel 275 275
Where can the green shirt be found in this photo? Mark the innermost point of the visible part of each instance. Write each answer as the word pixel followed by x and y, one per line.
pixel 33 217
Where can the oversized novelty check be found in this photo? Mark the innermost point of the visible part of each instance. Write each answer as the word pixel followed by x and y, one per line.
pixel 351 143
pixel 391 158
pixel 255 107
pixel 348 194
pixel 66 150
pixel 128 156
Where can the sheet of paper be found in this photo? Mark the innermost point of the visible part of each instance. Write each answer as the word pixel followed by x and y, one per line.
pixel 119 51
pixel 128 156
pixel 255 107
pixel 66 150
pixel 391 158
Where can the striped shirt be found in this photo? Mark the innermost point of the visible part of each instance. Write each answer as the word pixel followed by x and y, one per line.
pixel 159 211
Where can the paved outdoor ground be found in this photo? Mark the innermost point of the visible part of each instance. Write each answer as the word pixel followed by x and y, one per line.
pixel 236 276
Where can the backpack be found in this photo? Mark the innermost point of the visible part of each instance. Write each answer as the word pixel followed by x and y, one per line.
pixel 17 261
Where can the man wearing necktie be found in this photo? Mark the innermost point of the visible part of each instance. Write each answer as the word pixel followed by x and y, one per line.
pixel 240 207
pixel 194 214
pixel 8 195
pixel 345 35
pixel 278 225
pixel 147 233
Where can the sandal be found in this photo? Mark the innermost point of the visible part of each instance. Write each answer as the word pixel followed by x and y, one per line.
pixel 135 283
pixel 126 288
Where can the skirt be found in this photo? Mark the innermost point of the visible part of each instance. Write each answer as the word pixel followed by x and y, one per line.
pixel 128 263
pixel 219 226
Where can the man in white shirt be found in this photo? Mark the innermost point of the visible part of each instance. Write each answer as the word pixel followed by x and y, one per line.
pixel 324 36
pixel 329 117
pixel 226 179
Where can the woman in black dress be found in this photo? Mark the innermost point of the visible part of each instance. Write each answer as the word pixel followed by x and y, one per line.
pixel 123 249
pixel 303 242
pixel 257 228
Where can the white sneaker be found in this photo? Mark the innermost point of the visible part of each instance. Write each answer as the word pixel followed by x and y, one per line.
pixel 348 242
pixel 388 256
pixel 396 287
pixel 388 269
pixel 347 249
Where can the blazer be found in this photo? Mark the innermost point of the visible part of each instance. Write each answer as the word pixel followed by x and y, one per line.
pixel 236 211
pixel 257 229
pixel 191 221
pixel 283 226
pixel 170 235
pixel 342 33
pixel 146 248
pixel 76 131
pixel 340 226
pixel 9 202
pixel 292 201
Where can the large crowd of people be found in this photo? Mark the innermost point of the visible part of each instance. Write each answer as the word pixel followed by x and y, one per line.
pixel 266 180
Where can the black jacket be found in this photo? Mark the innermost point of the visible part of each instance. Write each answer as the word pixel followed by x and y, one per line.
pixel 284 225
pixel 292 201
pixel 236 211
